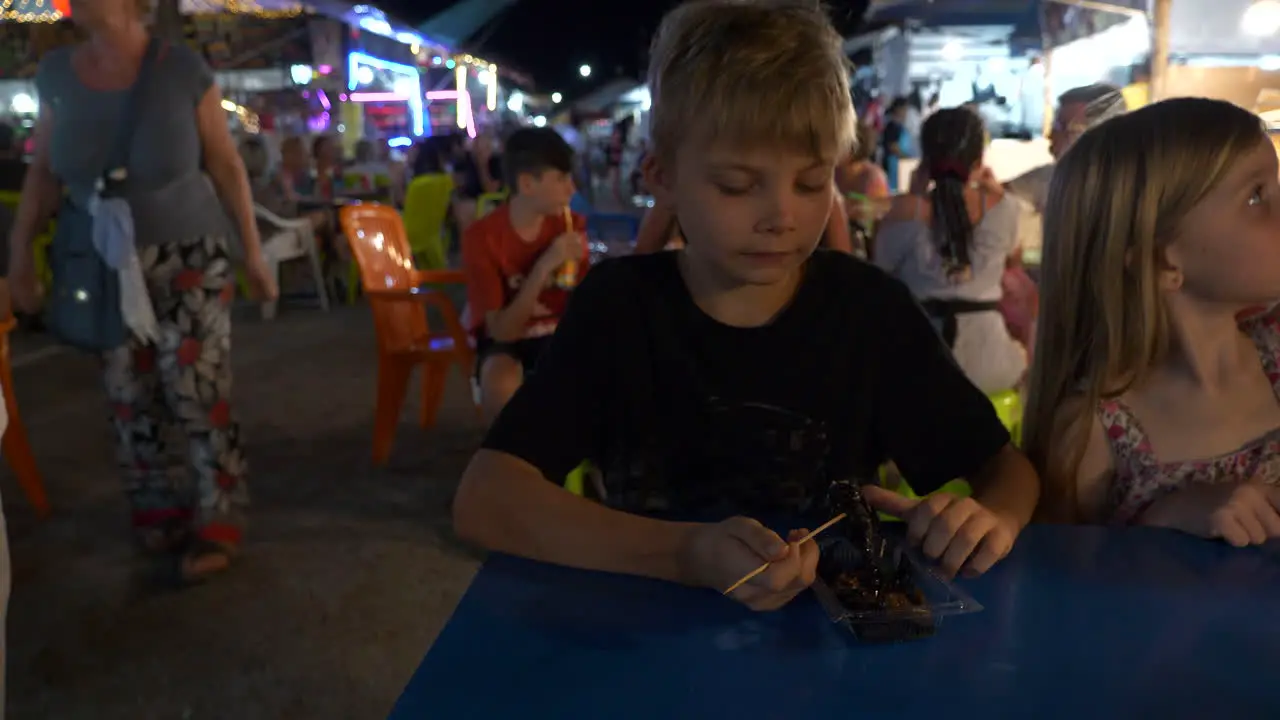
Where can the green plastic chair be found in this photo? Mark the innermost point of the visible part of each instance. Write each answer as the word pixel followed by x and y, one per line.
pixel 1008 405
pixel 40 248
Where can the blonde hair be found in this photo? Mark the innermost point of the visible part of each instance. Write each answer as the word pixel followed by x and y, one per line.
pixel 751 72
pixel 1116 200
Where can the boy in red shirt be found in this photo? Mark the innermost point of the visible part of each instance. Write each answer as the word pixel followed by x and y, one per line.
pixel 515 260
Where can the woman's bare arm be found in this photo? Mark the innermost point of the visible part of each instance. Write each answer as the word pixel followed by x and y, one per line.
pixel 226 168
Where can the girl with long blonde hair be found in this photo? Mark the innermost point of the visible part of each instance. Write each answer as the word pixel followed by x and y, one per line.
pixel 1149 404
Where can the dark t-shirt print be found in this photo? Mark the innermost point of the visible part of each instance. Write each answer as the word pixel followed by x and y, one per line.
pixel 753 457
pixel 727 457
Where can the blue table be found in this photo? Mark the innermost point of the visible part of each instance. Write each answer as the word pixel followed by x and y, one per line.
pixel 1079 623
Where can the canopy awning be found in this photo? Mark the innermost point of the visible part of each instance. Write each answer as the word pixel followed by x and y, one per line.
pixel 1028 24
pixel 461 21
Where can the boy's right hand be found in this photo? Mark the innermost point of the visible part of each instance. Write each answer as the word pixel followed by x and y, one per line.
pixel 1239 513
pixel 566 247
pixel 717 555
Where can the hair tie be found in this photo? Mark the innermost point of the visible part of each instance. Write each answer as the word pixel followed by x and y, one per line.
pixel 949 169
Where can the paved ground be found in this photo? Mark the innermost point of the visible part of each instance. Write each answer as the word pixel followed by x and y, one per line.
pixel 349 575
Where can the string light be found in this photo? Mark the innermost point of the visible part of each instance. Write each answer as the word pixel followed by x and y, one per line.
pixel 245 7
pixel 46 11
pixel 29 11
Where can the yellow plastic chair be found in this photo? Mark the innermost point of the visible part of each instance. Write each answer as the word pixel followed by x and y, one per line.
pixel 576 481
pixel 359 182
pixel 1008 405
pixel 40 248
pixel 487 202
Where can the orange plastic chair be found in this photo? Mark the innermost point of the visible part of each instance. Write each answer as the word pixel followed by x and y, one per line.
pixel 399 303
pixel 16 448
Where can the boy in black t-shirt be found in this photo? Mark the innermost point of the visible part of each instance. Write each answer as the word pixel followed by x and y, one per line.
pixel 739 377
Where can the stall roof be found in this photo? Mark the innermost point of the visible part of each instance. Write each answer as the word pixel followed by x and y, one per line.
pixel 606 95
pixel 371 19
pixel 1025 24
pixel 985 12
pixel 461 21
pixel 954 12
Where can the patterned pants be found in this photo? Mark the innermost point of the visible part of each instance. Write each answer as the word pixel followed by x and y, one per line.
pixel 182 383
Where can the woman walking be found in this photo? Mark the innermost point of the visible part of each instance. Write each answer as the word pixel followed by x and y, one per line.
pixel 182 237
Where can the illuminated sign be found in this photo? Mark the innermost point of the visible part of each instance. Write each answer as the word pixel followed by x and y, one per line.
pixel 372 79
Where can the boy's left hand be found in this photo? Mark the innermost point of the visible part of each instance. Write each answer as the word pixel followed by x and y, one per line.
pixel 957 532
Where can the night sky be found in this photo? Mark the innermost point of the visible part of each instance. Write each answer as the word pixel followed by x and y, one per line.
pixel 550 39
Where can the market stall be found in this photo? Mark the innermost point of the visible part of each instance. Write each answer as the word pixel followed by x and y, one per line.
pixel 256 54
pixel 28 29
pixel 1007 59
pixel 250 45
pixel 383 95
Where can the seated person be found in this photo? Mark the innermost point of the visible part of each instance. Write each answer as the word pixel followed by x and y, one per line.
pixel 739 377
pixel 1150 403
pixel 865 188
pixel 949 240
pixel 512 257
pixel 327 172
pixel 369 164
pixel 295 169
pixel 1019 302
pixel 13 169
pixel 273 191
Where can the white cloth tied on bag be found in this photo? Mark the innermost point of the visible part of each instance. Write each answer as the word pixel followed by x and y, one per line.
pixel 113 238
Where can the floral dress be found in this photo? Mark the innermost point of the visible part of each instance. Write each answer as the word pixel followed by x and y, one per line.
pixel 1141 478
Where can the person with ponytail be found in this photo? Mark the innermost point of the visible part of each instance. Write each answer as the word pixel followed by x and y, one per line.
pixel 948 238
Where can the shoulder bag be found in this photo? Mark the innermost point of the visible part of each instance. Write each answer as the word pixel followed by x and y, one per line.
pixel 83 309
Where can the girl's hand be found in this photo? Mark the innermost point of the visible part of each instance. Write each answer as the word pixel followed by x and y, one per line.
pixel 718 555
pixel 960 533
pixel 1240 513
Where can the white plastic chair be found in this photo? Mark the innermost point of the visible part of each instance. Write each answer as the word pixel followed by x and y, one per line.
pixel 292 240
